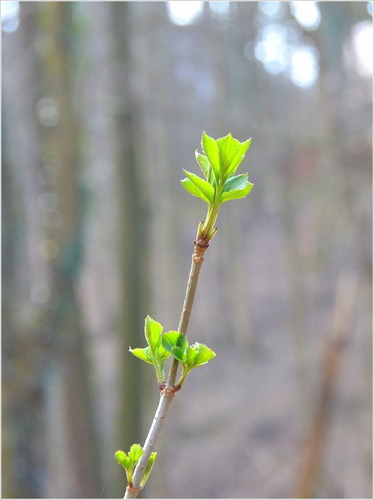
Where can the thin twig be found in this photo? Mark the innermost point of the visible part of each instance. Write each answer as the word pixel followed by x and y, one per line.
pixel 168 393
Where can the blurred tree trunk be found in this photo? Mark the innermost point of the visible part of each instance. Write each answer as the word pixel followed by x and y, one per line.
pixel 132 233
pixel 24 342
pixel 75 474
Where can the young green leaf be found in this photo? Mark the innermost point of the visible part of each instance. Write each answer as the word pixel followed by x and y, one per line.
pixel 236 182
pixel 195 355
pixel 122 458
pixel 236 187
pixel 154 353
pixel 210 149
pixel 153 334
pixel 152 331
pixel 130 460
pixel 143 354
pixel 179 354
pixel 205 167
pixel 191 356
pixel 227 148
pixel 206 189
pixel 231 154
pixel 136 451
pixel 148 468
pixel 194 190
pixel 172 339
pixel 203 354
pixel 236 194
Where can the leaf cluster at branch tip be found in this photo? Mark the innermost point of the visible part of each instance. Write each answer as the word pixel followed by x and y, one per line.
pixel 219 164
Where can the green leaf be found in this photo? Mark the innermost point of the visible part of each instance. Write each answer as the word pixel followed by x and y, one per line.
pixel 136 451
pixel 211 151
pixel 148 468
pixel 235 194
pixel 179 354
pixel 162 354
pixel 143 354
pixel 174 339
pixel 191 356
pixel 152 331
pixel 205 167
pixel 122 458
pixel 154 353
pixel 206 189
pixel 227 149
pixel 238 157
pixel 194 190
pixel 199 354
pixel 236 182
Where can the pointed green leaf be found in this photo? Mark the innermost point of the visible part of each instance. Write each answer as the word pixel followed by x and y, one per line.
pixel 236 182
pixel 237 158
pixel 191 356
pixel 205 167
pixel 231 154
pixel 195 191
pixel 162 354
pixel 204 186
pixel 227 147
pixel 148 468
pixel 236 194
pixel 143 354
pixel 202 356
pixel 210 149
pixel 153 331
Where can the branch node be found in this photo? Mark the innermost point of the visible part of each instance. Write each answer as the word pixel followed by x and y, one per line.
pixel 132 492
pixel 168 392
pixel 200 247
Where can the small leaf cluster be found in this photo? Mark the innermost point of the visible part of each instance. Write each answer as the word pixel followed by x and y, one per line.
pixel 162 345
pixel 154 353
pixel 130 460
pixel 219 164
pixel 189 356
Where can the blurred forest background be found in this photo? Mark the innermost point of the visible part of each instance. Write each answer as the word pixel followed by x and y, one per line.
pixel 103 104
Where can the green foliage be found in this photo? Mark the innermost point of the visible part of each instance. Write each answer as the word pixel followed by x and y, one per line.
pixel 148 469
pixel 162 345
pixel 199 187
pixel 130 460
pixel 189 356
pixel 176 344
pixel 154 353
pixel 219 164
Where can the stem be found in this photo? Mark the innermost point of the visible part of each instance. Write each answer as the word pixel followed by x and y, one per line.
pixel 167 395
pixel 207 229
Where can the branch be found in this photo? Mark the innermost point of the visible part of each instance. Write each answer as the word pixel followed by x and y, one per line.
pixel 168 393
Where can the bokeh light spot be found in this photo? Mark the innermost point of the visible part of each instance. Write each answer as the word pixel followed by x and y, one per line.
pixel 304 68
pixel 184 12
pixel 307 14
